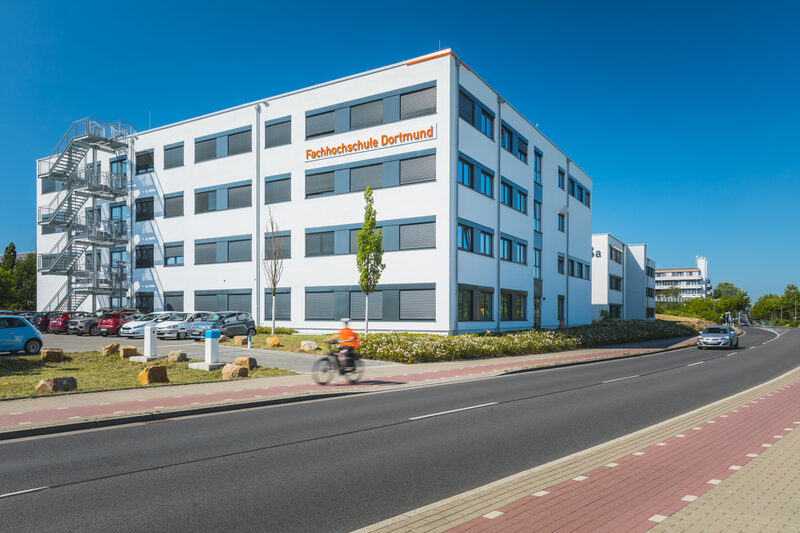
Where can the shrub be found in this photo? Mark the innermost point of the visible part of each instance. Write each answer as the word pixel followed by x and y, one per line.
pixel 261 330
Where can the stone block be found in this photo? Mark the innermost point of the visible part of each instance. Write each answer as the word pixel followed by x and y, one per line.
pixel 63 384
pixel 273 341
pixel 247 362
pixel 52 355
pixel 241 340
pixel 308 346
pixel 231 371
pixel 111 349
pixel 223 338
pixel 153 374
pixel 128 351
pixel 177 355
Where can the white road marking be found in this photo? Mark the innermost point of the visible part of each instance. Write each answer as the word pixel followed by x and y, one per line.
pixel 453 411
pixel 15 413
pixel 778 436
pixel 118 412
pixel 540 493
pixel 697 363
pixel 689 498
pixel 734 467
pixel 657 518
pixel 104 403
pixel 620 379
pixel 579 478
pixel 766 445
pixel 74 417
pixel 752 455
pixel 638 453
pixel 680 436
pixel 612 465
pixel 730 354
pixel 60 408
pixel 714 481
pixel 493 514
pixel 661 444
pixel 6 495
pixel 25 423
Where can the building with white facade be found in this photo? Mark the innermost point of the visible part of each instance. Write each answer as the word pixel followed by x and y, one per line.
pixel 623 279
pixel 692 282
pixel 480 212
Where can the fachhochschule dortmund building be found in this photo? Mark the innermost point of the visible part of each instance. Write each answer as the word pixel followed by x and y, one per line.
pixel 481 213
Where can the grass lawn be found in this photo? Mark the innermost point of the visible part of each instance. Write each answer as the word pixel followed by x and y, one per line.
pixel 699 323
pixel 288 343
pixel 20 375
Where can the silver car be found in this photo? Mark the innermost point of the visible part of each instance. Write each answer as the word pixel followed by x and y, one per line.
pixel 717 337
pixel 178 330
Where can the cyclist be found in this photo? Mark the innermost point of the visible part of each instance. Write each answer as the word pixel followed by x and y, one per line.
pixel 348 343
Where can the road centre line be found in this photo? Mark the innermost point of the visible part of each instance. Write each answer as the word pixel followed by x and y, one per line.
pixel 453 411
pixel 8 494
pixel 697 363
pixel 620 379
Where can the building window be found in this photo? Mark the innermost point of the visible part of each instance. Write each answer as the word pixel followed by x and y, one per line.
pixel 418 304
pixel 278 134
pixel 521 203
pixel 240 143
pixel 537 216
pixel 239 251
pixel 561 178
pixel 465 172
pixel 173 301
pixel 173 156
pixel 586 272
pixel 119 166
pixel 561 308
pixel 537 312
pixel 418 236
pixel 615 254
pixel 223 144
pixel 276 191
pixel 522 150
pixel 650 312
pixel 418 169
pixel 650 272
pixel 487 124
pixel 144 256
pixel 651 292
pixel 418 103
pixel 366 115
pixel 505 249
pixel 284 244
pixel 205 201
pixel 580 193
pixel 223 251
pixel 144 162
pixel 320 124
pixel 144 302
pixel 537 166
pixel 319 244
pixel 464 237
pixel 560 264
pixel 317 184
pixel 484 305
pixel 520 253
pixel 173 254
pixel 614 283
pixel 367 176
pixel 513 305
pixel 240 196
pixel 561 221
pixel 537 263
pixel 144 209
pixel 173 206
pixel 205 150
pixel 205 253
pixel 506 194
pixel 283 306
pixel 464 305
pixel 571 267
pixel 615 310
pixel 485 186
pixel 466 108
pixel 485 243
pixel 506 138
pixel 578 269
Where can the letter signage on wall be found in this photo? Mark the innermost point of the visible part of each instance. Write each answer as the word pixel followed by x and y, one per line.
pixel 368 144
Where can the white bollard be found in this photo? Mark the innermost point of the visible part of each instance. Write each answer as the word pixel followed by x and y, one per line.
pixel 150 342
pixel 212 346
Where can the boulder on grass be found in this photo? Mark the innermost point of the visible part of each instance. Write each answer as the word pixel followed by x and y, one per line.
pixel 241 340
pixel 111 349
pixel 128 351
pixel 247 362
pixel 273 341
pixel 177 355
pixel 308 346
pixel 153 374
pixel 63 384
pixel 52 355
pixel 223 338
pixel 231 371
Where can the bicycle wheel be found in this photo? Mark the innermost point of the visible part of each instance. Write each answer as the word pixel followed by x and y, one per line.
pixel 357 372
pixel 323 371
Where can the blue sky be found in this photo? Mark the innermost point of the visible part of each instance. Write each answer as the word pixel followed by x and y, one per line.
pixel 686 114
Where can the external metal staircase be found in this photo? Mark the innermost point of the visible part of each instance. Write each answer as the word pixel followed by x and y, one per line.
pixel 83 181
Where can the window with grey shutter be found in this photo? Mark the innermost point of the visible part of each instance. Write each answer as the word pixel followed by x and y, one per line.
pixel 358 302
pixel 173 157
pixel 466 108
pixel 239 251
pixel 173 206
pixel 206 302
pixel 239 143
pixel 205 150
pixel 319 183
pixel 319 305
pixel 278 191
pixel 418 304
pixel 418 103
pixel 205 201
pixel 239 302
pixel 205 254
pixel 366 115
pixel 284 243
pixel 319 124
pixel 418 169
pixel 369 176
pixel 283 306
pixel 414 236
pixel 173 255
pixel 319 243
pixel 144 209
pixel 173 301
pixel 239 197
pixel 278 134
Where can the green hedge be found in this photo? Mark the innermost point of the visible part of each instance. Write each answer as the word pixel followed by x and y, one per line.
pixel 415 348
pixel 261 330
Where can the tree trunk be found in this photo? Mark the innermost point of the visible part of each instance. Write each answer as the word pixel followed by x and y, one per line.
pixel 366 314
pixel 273 314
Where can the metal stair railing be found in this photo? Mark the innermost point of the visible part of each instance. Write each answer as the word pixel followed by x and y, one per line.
pixel 82 185
pixel 81 233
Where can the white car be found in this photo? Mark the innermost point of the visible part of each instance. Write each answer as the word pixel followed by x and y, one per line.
pixel 174 329
pixel 135 328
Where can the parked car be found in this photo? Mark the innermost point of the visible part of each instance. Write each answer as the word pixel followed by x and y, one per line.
pixel 229 322
pixel 717 337
pixel 111 322
pixel 59 321
pixel 17 334
pixel 41 320
pixel 135 328
pixel 180 330
pixel 89 324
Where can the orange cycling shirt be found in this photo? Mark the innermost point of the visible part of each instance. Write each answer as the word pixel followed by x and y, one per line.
pixel 348 337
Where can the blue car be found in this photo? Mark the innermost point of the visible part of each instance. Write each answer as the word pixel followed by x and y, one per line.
pixel 17 334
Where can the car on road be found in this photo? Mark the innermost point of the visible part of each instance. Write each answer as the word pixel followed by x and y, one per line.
pixel 180 330
pixel 41 320
pixel 110 323
pixel 229 322
pixel 135 328
pixel 17 334
pixel 89 324
pixel 717 337
pixel 59 322
pixel 745 323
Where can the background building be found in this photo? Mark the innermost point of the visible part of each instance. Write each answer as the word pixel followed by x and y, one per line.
pixel 623 279
pixel 486 223
pixel 690 282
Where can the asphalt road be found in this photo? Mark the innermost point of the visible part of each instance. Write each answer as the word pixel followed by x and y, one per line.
pixel 339 464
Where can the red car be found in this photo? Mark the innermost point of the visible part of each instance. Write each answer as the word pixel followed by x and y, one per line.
pixel 59 321
pixel 111 322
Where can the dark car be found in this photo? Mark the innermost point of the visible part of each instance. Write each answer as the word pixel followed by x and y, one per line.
pixel 231 323
pixel 90 324
pixel 59 321
pixel 110 323
pixel 41 320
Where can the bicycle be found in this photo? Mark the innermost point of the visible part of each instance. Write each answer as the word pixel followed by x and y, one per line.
pixel 325 369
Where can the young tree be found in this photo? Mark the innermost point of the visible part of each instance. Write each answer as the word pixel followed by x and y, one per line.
pixel 726 289
pixel 24 278
pixel 9 258
pixel 369 258
pixel 273 262
pixel 669 292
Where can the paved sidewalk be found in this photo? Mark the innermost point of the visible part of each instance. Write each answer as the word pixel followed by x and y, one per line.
pixel 730 466
pixel 72 410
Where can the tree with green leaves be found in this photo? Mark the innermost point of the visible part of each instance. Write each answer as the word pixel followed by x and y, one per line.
pixel 766 308
pixel 726 289
pixel 24 280
pixel 789 302
pixel 369 258
pixel 669 292
pixel 9 258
